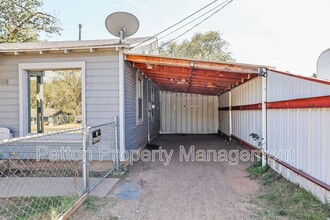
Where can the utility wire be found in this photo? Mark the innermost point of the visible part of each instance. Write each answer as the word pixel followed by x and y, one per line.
pixel 194 26
pixel 192 20
pixel 176 23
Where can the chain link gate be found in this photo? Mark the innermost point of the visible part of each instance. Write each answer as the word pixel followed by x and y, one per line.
pixel 42 176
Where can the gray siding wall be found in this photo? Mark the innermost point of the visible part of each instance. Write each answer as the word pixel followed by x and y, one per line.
pixel 102 94
pixel 9 98
pixel 136 136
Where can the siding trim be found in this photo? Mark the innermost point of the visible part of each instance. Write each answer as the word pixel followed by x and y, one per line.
pixel 121 70
pixel 314 102
pixel 22 75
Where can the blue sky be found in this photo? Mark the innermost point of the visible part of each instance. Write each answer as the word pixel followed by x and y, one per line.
pixel 287 34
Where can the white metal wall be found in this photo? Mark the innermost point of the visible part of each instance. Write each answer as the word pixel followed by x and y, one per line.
pixel 188 113
pixel 246 122
pixel 283 87
pixel 247 93
pixel 224 101
pixel 319 192
pixel 224 114
pixel 298 137
pixel 224 122
pixel 303 131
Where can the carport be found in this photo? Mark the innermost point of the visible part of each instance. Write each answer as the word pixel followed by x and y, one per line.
pixel 285 110
pixel 190 90
pixel 193 76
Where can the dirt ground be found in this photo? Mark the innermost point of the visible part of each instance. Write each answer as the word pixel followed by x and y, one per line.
pixel 181 190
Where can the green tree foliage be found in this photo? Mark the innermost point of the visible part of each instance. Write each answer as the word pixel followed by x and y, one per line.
pixel 64 92
pixel 24 20
pixel 207 46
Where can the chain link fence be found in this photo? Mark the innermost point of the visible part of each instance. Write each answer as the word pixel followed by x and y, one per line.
pixel 42 176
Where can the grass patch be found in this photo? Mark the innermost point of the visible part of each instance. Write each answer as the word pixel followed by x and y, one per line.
pixel 279 198
pixel 95 205
pixel 91 205
pixel 35 207
pixel 122 173
pixel 256 169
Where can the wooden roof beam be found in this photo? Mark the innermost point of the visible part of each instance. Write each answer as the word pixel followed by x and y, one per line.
pixel 195 91
pixel 169 67
pixel 156 74
pixel 159 73
pixel 144 67
pixel 233 75
pixel 179 62
pixel 186 82
pixel 198 73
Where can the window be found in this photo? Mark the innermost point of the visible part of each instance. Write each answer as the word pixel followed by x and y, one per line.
pixel 139 99
pixel 51 96
pixel 55 100
pixel 152 102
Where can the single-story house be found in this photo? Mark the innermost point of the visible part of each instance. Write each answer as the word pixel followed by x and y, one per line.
pixel 152 94
pixel 109 84
pixel 51 116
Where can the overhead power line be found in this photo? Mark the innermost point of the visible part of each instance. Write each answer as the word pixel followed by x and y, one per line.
pixel 208 17
pixel 201 9
pixel 182 26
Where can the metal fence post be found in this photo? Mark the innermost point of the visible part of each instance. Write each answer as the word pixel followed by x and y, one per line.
pixel 85 158
pixel 116 143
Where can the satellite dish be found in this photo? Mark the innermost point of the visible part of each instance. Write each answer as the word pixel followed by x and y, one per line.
pixel 323 65
pixel 122 24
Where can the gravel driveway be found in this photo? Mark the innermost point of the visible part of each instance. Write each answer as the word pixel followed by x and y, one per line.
pixel 181 190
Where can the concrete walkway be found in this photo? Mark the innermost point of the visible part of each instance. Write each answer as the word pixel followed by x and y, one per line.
pixel 51 186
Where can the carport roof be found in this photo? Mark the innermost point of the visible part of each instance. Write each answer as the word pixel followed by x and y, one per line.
pixel 192 76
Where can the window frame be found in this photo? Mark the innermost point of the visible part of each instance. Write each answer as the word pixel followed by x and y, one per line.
pixel 23 71
pixel 139 95
pixel 152 102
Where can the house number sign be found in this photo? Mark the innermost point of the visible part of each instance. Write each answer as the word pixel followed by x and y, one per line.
pixel 4 82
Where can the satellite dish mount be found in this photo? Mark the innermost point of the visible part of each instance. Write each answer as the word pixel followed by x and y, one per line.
pixel 122 25
pixel 121 35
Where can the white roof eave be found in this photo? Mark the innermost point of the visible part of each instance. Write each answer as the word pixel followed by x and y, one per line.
pixel 89 48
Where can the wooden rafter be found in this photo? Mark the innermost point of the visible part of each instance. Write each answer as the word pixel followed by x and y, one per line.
pixel 192 76
pixel 198 64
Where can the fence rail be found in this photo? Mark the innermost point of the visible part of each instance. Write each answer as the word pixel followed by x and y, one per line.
pixel 41 176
